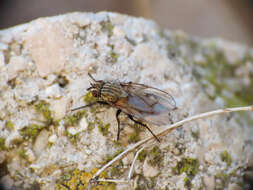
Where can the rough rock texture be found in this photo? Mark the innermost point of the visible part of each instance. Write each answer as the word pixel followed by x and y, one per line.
pixel 43 74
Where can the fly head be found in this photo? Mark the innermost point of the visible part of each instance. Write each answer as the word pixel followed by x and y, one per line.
pixel 96 87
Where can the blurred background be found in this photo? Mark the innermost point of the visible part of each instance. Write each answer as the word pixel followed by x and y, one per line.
pixel 230 19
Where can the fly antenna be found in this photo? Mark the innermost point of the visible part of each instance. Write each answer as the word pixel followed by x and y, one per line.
pixel 92 77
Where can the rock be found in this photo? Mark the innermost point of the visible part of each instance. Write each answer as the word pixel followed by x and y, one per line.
pixel 44 66
pixel 209 182
pixel 58 108
pixel 148 170
pixel 30 155
pixel 53 46
pixel 2 156
pixel 7 182
pixel 234 186
pixel 52 138
pixel 41 142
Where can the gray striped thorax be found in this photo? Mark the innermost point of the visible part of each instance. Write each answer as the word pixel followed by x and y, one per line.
pixel 111 92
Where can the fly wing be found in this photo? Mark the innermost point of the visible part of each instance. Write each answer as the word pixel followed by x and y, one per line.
pixel 148 104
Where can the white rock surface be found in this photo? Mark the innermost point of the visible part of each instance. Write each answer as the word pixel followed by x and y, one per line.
pixel 43 74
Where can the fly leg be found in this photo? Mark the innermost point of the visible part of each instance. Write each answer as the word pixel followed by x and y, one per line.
pixel 88 105
pixel 142 124
pixel 118 121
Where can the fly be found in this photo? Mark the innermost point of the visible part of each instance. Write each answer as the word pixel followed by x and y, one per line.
pixel 141 103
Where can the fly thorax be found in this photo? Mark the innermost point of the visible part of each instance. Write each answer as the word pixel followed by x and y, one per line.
pixel 112 92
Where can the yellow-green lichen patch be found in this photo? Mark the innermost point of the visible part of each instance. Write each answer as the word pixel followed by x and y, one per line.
pixel 187 183
pixel 9 125
pixel 142 155
pixel 195 134
pixel 91 126
pixel 43 108
pixel 107 26
pixel 155 156
pixel 72 137
pixel 79 179
pixel 114 56
pixel 88 98
pixel 116 171
pixel 74 119
pixel 178 149
pixel 104 129
pixel 217 71
pixel 2 143
pixel 225 157
pixel 135 136
pixel 143 183
pixel 31 131
pixel 214 71
pixel 222 180
pixel 220 79
pixel 22 153
pixel 188 165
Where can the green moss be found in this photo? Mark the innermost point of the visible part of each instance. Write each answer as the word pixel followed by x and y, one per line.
pixel 195 134
pixel 219 72
pixel 31 131
pixel 179 148
pixel 223 180
pixel 72 137
pixel 117 170
pixel 104 129
pixel 91 126
pixel 107 26
pixel 74 119
pixel 56 123
pixel 135 136
pixel 155 156
pixel 22 154
pixel 188 165
pixel 114 56
pixel 43 108
pixel 142 155
pixel 225 157
pixel 216 72
pixel 9 125
pixel 2 143
pixel 187 183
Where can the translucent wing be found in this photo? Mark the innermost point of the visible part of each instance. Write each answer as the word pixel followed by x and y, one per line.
pixel 148 103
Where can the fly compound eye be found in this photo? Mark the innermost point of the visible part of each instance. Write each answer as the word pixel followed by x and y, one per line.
pixel 94 93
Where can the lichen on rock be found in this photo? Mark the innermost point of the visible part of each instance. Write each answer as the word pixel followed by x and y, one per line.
pixel 44 66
